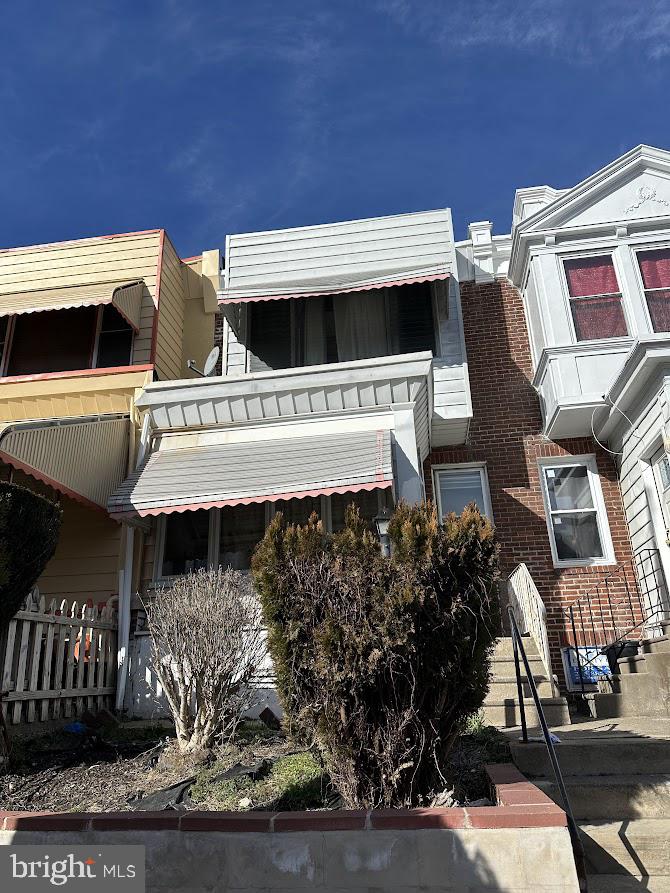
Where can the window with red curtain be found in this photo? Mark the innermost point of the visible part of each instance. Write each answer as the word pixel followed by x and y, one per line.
pixel 655 270
pixel 595 298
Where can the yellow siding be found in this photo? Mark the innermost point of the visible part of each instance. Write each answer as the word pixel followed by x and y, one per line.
pixel 169 349
pixel 100 259
pixel 198 322
pixel 87 558
pixel 68 396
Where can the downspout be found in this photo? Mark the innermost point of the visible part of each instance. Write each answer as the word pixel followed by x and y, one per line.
pixel 126 586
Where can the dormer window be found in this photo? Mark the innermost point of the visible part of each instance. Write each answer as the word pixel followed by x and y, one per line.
pixel 595 298
pixel 655 271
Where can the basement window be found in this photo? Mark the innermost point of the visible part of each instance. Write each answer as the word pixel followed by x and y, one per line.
pixel 595 298
pixel 655 272
pixel 576 517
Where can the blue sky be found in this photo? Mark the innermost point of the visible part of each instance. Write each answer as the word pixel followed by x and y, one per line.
pixel 214 117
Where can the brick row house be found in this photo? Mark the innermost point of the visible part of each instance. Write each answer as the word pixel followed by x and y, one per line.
pixel 381 359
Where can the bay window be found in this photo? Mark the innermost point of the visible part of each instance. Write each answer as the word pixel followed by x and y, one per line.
pixel 575 511
pixel 458 485
pixel 595 298
pixel 655 271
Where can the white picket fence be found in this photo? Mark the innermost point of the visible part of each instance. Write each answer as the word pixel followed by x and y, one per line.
pixel 57 661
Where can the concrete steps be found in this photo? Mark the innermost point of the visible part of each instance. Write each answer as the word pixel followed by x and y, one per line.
pixel 632 883
pixel 500 705
pixel 585 757
pixel 614 796
pixel 629 847
pixel 617 774
pixel 642 687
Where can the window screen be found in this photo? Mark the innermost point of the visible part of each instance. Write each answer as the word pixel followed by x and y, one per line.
pixel 655 270
pixel 270 335
pixel 242 528
pixel 115 341
pixel 595 298
pixel 458 487
pixel 573 514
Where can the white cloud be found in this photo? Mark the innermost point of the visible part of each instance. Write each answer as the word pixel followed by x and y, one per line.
pixel 572 30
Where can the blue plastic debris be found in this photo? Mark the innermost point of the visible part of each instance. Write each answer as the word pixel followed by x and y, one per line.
pixel 77 728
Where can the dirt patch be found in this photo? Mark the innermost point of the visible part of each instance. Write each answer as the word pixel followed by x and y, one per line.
pixel 119 767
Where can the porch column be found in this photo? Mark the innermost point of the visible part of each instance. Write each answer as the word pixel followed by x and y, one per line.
pixel 408 473
pixel 125 595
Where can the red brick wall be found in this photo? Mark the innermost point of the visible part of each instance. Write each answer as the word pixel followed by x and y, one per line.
pixel 505 433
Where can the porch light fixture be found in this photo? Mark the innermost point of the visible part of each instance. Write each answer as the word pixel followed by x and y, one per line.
pixel 382 521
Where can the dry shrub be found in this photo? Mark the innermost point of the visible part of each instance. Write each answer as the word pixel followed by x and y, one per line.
pixel 378 660
pixel 207 645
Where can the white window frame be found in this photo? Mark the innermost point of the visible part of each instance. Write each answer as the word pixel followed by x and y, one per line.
pixel 589 461
pixel 620 278
pixel 636 250
pixel 463 466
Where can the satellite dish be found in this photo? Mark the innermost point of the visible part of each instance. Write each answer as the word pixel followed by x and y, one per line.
pixel 211 361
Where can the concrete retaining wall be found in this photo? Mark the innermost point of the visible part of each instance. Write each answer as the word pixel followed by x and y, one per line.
pixel 520 845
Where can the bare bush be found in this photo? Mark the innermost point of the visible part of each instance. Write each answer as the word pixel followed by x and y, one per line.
pixel 207 645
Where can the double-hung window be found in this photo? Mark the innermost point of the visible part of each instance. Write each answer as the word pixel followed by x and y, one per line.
pixel 595 298
pixel 576 517
pixel 458 485
pixel 655 271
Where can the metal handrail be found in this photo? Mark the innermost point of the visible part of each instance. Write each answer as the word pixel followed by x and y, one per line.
pixel 598 613
pixel 577 845
pixel 531 614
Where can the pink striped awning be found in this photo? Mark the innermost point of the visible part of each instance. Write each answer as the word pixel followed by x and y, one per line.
pixel 246 296
pixel 216 475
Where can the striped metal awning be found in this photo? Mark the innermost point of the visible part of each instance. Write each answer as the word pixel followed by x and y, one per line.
pixel 215 475
pixel 342 284
pixel 125 296
pixel 83 459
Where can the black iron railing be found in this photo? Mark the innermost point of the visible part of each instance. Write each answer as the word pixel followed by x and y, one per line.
pixel 621 606
pixel 577 845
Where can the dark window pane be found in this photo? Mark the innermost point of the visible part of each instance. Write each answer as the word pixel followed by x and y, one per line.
pixel 458 489
pixel 658 303
pixel 52 341
pixel 186 542
pixel 597 318
pixel 297 511
pixel 114 349
pixel 577 536
pixel 568 487
pixel 414 316
pixel 366 500
pixel 242 528
pixel 591 276
pixel 270 335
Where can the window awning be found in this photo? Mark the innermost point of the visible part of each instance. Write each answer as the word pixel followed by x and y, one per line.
pixel 125 296
pixel 215 475
pixel 320 288
pixel 85 460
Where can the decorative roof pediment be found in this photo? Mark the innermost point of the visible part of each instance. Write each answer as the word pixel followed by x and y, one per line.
pixel 635 186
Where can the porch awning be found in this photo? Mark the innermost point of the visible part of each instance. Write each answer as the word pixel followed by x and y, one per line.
pixel 330 286
pixel 215 475
pixel 125 296
pixel 85 460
